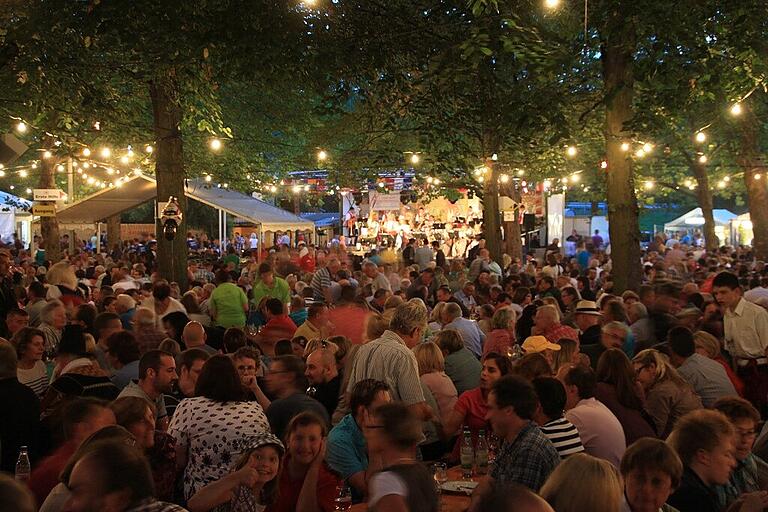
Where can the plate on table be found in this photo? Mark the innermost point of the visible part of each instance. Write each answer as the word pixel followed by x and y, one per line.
pixel 459 486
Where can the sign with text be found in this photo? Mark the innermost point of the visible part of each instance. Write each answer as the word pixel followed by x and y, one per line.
pixel 383 202
pixel 44 210
pixel 47 194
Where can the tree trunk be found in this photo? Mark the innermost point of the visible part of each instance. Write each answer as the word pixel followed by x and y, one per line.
pixel 704 196
pixel 491 221
pixel 169 172
pixel 617 58
pixel 49 226
pixel 757 193
pixel 512 242
pixel 113 231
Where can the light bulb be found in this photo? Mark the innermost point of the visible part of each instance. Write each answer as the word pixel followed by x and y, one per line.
pixel 647 147
pixel 603 164
pixel 23 173
pixel 701 137
pixel 504 178
pixel 703 159
pixel 2 174
pixel 415 159
pixel 208 178
pixel 575 178
pixel 149 149
pixel 757 176
pixel 47 154
pixel 571 151
pixel 625 146
pixel 21 127
pixel 551 4
pixel 86 152
pixel 736 109
pixel 322 155
pixel 60 168
pixel 106 152
pixel 640 153
pixel 124 160
pixel 215 144
pixel 649 185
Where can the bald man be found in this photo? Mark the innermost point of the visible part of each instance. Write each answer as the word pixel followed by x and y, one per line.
pixel 194 336
pixel 511 498
pixel 324 378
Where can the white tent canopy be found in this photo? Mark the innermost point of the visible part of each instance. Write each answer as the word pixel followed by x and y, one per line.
pixel 694 219
pixel 139 189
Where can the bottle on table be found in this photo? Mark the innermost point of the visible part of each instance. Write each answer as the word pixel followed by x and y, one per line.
pixel 467 454
pixel 343 499
pixel 481 454
pixel 23 467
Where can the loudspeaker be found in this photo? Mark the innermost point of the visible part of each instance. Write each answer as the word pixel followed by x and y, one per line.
pixel 11 149
pixel 529 222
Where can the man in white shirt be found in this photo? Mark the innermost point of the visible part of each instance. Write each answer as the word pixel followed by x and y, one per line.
pixel 746 337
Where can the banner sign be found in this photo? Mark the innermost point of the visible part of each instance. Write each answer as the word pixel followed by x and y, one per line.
pixel 383 202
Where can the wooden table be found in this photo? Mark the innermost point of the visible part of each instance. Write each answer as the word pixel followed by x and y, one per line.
pixel 450 502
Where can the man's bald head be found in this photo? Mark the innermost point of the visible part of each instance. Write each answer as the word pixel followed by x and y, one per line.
pixel 194 334
pixel 321 366
pixel 513 498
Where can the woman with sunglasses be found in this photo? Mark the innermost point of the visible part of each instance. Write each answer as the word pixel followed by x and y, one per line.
pixel 668 396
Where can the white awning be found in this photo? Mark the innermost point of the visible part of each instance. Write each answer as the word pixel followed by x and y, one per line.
pixel 140 189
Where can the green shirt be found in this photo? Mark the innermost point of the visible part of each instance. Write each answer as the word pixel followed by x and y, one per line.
pixel 228 300
pixel 280 290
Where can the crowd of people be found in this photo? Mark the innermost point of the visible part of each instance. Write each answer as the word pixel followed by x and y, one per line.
pixel 307 378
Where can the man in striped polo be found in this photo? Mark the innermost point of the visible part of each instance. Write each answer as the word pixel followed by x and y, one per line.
pixel 549 416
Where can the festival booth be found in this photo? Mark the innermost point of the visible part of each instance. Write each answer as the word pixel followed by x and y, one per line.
pixel 264 219
pixel 741 230
pixel 388 219
pixel 693 221
pixel 15 217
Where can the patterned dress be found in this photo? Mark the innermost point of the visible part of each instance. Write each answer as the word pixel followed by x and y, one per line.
pixel 215 435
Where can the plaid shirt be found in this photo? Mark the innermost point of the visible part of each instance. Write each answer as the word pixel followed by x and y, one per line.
pixel 152 505
pixel 202 275
pixel 559 331
pixel 528 460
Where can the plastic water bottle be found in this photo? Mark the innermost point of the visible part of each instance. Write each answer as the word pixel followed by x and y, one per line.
pixel 23 467
pixel 467 454
pixel 481 454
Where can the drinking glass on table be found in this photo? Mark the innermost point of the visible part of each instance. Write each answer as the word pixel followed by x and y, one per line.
pixel 343 499
pixel 440 474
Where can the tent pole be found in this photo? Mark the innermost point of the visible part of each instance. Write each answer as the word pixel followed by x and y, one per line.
pixel 221 249
pixel 98 237
pixel 260 247
pixel 224 229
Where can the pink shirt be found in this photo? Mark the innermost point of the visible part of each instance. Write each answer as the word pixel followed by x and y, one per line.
pixel 442 389
pixel 601 433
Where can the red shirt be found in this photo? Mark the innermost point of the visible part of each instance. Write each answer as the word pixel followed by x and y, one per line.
pixel 349 321
pixel 46 475
pixel 278 328
pixel 559 332
pixel 473 407
pixel 288 490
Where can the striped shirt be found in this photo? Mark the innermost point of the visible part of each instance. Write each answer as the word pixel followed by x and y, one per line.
pixel 564 436
pixel 320 281
pixel 388 359
pixel 35 378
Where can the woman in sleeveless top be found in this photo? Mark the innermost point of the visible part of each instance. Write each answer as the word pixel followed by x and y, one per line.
pixel 404 484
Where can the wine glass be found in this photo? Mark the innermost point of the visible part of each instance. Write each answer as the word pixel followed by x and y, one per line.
pixel 440 474
pixel 343 499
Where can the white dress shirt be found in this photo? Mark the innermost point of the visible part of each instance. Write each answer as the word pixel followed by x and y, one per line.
pixel 746 330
